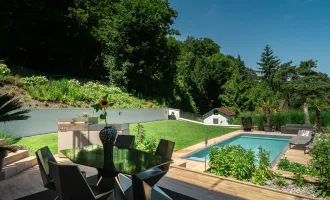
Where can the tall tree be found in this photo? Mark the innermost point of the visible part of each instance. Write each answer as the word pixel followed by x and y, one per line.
pixel 134 36
pixel 268 65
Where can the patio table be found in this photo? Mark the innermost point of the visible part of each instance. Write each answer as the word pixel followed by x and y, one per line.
pixel 117 160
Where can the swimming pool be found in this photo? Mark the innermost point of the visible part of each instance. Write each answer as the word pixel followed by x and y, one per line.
pixel 274 143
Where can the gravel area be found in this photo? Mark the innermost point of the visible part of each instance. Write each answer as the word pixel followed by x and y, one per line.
pixel 308 190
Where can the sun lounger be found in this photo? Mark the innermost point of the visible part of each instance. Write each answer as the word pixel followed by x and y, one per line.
pixel 304 137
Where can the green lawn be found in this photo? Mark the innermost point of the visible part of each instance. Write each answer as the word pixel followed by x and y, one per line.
pixel 184 134
pixel 33 143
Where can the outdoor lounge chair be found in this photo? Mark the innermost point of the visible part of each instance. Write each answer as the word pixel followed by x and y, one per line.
pixel 71 184
pixel 304 137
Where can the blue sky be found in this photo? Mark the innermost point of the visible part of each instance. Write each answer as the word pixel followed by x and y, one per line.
pixel 296 29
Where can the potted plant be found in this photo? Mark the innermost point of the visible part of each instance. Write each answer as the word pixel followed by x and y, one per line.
pixel 247 123
pixel 108 133
pixel 267 107
pixel 4 152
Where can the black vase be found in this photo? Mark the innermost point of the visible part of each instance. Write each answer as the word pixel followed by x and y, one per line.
pixel 108 136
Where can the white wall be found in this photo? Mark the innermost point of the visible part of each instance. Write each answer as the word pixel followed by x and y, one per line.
pixel 175 111
pixel 222 119
pixel 45 120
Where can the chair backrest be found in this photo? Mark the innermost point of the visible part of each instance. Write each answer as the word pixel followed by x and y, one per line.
pixel 43 156
pixel 69 182
pixel 304 135
pixel 125 141
pixel 165 149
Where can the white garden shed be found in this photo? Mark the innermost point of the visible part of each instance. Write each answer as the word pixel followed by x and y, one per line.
pixel 219 116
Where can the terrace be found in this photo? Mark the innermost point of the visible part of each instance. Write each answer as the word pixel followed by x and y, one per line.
pixel 185 179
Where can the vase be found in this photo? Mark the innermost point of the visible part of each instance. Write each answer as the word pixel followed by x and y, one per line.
pixel 108 136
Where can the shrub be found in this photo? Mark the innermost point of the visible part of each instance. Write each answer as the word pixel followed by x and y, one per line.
pixel 143 142
pixel 262 173
pixel 294 167
pixel 232 160
pixel 4 70
pixel 34 80
pixel 299 180
pixel 283 164
pixel 9 139
pixel 288 116
pixel 279 180
pixel 321 160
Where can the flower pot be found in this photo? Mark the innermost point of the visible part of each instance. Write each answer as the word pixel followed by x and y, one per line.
pixel 247 123
pixel 268 128
pixel 3 154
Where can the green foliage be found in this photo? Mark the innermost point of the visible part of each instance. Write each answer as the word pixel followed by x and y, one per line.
pixel 263 172
pixel 4 70
pixel 299 180
pixel 9 139
pixel 269 64
pixel 278 119
pixel 10 109
pixel 144 142
pixel 279 180
pixel 321 160
pixel 286 165
pixel 72 93
pixel 232 160
pixel 34 80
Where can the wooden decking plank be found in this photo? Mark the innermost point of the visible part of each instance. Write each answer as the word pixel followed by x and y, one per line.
pixel 243 190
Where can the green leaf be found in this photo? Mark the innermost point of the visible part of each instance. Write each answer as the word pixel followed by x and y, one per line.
pixel 102 116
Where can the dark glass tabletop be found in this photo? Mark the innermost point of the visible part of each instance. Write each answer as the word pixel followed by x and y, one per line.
pixel 126 161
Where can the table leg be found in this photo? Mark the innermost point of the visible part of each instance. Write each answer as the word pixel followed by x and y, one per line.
pixel 141 190
pixel 106 178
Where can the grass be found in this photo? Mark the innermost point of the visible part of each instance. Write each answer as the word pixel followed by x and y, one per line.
pixel 184 134
pixel 33 143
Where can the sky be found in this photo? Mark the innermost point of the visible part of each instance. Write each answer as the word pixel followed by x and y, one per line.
pixel 296 30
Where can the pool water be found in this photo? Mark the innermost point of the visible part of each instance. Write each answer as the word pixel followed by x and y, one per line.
pixel 273 143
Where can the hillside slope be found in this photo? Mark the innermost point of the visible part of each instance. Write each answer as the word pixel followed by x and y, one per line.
pixel 39 92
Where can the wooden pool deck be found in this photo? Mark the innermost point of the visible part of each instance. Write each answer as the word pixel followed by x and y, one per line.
pixel 190 181
pixel 293 155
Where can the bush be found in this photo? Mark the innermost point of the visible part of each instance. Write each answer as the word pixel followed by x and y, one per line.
pixel 74 93
pixel 143 142
pixel 232 160
pixel 289 116
pixel 262 173
pixel 34 80
pixel 9 139
pixel 294 167
pixel 4 70
pixel 299 180
pixel 279 180
pixel 321 160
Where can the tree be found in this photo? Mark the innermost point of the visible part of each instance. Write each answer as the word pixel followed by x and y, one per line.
pixel 134 38
pixel 237 88
pixel 268 65
pixel 318 104
pixel 10 109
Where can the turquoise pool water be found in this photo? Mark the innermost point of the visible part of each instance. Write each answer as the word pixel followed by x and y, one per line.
pixel 273 143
